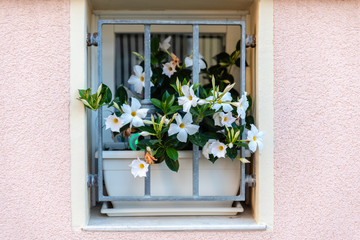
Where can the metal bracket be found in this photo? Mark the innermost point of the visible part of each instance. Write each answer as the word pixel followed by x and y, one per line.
pixel 250 41
pixel 250 180
pixel 92 39
pixel 92 180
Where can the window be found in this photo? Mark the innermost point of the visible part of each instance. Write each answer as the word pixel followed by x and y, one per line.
pixel 84 224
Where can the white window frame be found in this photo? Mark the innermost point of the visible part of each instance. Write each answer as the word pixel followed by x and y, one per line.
pixel 263 196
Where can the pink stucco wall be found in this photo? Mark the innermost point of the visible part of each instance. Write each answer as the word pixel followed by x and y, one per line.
pixel 317 130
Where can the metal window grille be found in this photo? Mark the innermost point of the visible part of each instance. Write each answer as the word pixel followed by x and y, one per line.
pixel 146 102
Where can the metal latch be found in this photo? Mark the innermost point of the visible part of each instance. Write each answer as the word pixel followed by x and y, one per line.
pixel 92 180
pixel 92 39
pixel 250 180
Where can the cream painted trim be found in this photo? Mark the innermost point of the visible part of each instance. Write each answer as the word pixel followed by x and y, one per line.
pixel 175 15
pixel 78 127
pixel 264 88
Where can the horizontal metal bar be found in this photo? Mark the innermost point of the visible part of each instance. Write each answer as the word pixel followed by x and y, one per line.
pixel 169 22
pixel 171 198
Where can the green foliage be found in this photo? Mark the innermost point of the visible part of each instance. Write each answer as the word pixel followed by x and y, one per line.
pixel 94 101
pixel 173 165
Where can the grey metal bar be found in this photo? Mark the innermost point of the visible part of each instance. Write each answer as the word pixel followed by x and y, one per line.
pixel 242 90
pixel 170 22
pixel 147 182
pixel 172 198
pixel 146 101
pixel 147 49
pixel 100 119
pixel 195 73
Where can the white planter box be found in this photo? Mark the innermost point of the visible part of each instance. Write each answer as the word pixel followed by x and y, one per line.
pixel 219 179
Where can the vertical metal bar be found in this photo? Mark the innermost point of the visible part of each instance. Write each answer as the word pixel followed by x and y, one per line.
pixel 147 182
pixel 242 90
pixel 147 51
pixel 100 118
pixel 195 74
pixel 146 101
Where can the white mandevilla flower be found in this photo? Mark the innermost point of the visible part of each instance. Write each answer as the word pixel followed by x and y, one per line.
pixel 190 99
pixel 168 69
pixel 183 127
pixel 242 105
pixel 223 102
pixel 113 122
pixel 189 62
pixel 218 149
pixel 165 44
pixel 139 168
pixel 217 119
pixel 133 114
pixel 144 133
pixel 227 119
pixel 255 138
pixel 138 80
pixel 206 148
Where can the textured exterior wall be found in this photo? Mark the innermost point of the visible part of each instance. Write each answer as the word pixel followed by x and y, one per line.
pixel 317 131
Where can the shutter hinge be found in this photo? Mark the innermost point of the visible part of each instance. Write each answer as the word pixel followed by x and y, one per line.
pixel 92 39
pixel 250 180
pixel 92 180
pixel 250 41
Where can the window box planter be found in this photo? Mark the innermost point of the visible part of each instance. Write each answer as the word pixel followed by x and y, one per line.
pixel 219 179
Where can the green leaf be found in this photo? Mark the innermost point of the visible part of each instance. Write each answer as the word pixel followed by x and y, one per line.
pixel 231 153
pixel 149 129
pixel 156 102
pixel 170 101
pixel 152 143
pixel 198 139
pixel 242 145
pixel 250 102
pixel 172 153
pixel 155 45
pixel 238 46
pixel 249 120
pixel 172 165
pixel 212 158
pixel 173 109
pixel 160 155
pixel 122 95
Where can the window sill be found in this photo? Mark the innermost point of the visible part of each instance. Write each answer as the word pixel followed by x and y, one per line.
pixel 242 222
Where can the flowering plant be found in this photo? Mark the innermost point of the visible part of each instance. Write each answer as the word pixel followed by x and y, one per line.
pixel 208 116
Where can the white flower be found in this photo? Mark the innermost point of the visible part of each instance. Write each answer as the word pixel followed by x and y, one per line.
pixel 190 99
pixel 243 104
pixel 217 119
pixel 206 148
pixel 231 145
pixel 218 149
pixel 221 102
pixel 256 138
pixel 189 62
pixel 183 127
pixel 165 44
pixel 138 80
pixel 168 69
pixel 227 119
pixel 139 168
pixel 114 123
pixel 133 114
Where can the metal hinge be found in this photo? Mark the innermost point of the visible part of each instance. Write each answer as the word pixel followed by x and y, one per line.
pixel 250 180
pixel 250 41
pixel 92 180
pixel 92 39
